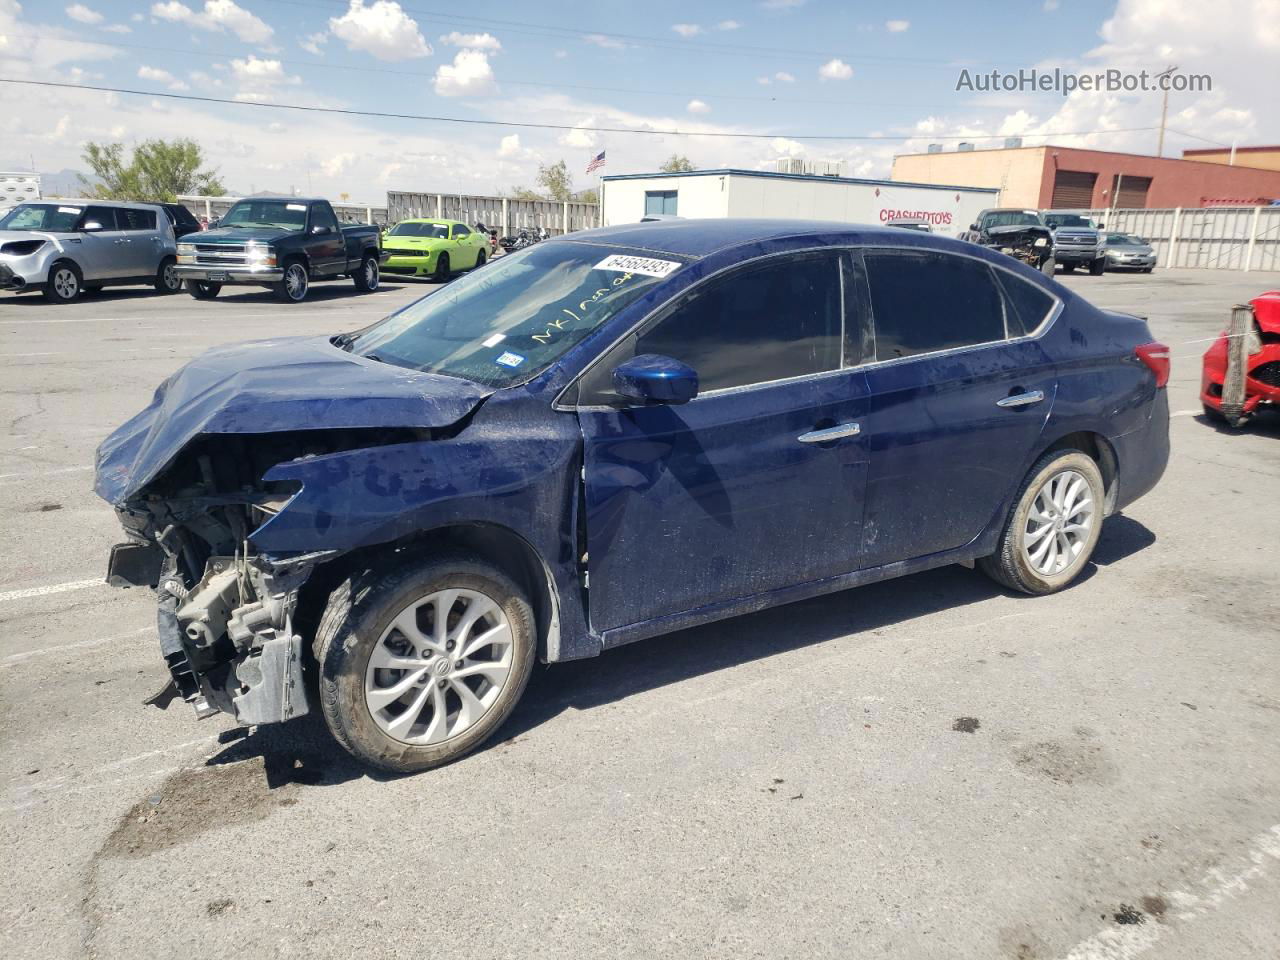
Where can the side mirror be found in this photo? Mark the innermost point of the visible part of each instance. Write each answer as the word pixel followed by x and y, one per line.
pixel 91 226
pixel 652 378
pixel 321 230
pixel 974 227
pixel 214 223
pixel 1102 226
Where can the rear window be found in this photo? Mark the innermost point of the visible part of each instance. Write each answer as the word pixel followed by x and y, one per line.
pixel 131 219
pixel 1028 304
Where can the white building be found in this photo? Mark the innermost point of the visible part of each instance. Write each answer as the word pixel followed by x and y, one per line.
pixel 16 188
pixel 756 193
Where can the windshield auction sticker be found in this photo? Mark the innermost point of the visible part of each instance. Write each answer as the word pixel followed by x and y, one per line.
pixel 645 266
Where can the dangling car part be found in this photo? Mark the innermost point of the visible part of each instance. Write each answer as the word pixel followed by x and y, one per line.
pixel 1241 370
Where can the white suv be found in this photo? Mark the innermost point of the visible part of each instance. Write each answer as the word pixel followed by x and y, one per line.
pixel 65 247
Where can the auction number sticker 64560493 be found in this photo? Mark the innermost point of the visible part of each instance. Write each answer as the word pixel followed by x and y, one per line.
pixel 645 266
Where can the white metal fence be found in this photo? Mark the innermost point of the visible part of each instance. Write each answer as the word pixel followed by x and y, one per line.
pixel 1207 238
pixel 503 213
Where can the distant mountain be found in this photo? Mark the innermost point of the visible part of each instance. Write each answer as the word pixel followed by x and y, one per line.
pixel 64 183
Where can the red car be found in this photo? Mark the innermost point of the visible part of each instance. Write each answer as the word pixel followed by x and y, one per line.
pixel 1262 365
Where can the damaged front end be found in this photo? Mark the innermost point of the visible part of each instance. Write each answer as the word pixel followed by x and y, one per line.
pixel 1031 245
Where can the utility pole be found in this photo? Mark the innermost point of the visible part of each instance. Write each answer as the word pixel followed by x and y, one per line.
pixel 1164 109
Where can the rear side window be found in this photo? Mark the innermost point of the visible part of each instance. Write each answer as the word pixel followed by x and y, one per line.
pixel 768 322
pixel 926 302
pixel 106 216
pixel 180 216
pixel 1028 305
pixel 130 219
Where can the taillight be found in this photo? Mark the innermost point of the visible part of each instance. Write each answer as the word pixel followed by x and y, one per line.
pixel 1155 356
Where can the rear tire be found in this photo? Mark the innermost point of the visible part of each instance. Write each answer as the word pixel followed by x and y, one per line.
pixel 441 274
pixel 449 706
pixel 366 277
pixel 1068 268
pixel 203 289
pixel 65 282
pixel 293 288
pixel 1053 527
pixel 480 259
pixel 167 276
pixel 1048 266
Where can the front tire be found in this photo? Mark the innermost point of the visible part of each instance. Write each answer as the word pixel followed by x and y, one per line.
pixel 441 274
pixel 1048 266
pixel 65 282
pixel 480 259
pixel 203 289
pixel 1068 268
pixel 1097 267
pixel 366 277
pixel 293 288
pixel 421 664
pixel 167 276
pixel 1053 527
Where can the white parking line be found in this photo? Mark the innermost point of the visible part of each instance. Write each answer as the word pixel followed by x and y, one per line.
pixel 1214 889
pixel 11 477
pixel 15 658
pixel 51 588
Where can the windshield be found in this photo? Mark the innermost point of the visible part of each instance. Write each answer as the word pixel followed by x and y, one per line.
pixel 1068 220
pixel 438 231
pixel 1123 240
pixel 41 216
pixel 508 322
pixel 266 213
pixel 1012 218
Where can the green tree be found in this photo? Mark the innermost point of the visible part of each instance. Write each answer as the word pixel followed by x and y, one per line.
pixel 677 163
pixel 555 180
pixel 158 171
pixel 590 195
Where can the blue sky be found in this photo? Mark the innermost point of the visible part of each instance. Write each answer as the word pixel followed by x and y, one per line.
pixel 780 68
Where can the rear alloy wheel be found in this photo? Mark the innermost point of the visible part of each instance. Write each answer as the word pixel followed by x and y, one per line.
pixel 1053 527
pixel 1048 267
pixel 366 277
pixel 203 289
pixel 421 665
pixel 293 288
pixel 441 274
pixel 167 277
pixel 64 282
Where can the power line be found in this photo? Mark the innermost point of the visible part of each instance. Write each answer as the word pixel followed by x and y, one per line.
pixel 525 124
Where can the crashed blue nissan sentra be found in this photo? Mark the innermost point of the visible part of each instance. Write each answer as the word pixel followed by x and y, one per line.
pixel 610 436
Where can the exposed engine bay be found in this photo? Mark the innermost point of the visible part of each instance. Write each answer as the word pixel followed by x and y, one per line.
pixel 1032 245
pixel 226 612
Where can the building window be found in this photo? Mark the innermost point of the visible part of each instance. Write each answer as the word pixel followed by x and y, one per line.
pixel 660 201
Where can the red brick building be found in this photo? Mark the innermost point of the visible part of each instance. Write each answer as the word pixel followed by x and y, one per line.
pixel 1069 178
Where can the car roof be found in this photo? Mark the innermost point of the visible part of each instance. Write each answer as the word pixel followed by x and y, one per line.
pixel 431 220
pixel 699 238
pixel 94 202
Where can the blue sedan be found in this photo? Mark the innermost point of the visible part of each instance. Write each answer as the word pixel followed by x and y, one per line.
pixel 610 436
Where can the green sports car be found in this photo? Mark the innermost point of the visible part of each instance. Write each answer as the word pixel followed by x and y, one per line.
pixel 434 248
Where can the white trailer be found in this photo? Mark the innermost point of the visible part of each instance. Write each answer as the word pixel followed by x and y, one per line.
pixel 16 188
pixel 628 198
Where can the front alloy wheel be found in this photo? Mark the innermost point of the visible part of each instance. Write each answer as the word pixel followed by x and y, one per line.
pixel 64 283
pixel 293 288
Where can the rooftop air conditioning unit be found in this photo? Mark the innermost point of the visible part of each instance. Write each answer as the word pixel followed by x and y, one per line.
pixel 964 147
pixel 1012 143
pixel 935 148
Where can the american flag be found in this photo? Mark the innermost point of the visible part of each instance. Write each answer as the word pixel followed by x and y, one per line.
pixel 596 162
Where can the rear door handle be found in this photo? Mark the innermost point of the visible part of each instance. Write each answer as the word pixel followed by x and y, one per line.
pixel 1021 399
pixel 830 433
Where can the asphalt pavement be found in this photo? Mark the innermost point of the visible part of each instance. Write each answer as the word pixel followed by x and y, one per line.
pixel 928 767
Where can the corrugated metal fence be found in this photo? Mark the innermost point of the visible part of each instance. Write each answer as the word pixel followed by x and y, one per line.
pixel 1209 238
pixel 504 213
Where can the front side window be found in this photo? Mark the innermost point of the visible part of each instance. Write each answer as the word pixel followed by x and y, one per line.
pixel 660 201
pixel 926 302
pixel 322 216
pixel 460 231
pixel 510 321
pixel 779 319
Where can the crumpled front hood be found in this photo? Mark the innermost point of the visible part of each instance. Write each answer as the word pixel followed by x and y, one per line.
pixel 1007 234
pixel 1266 310
pixel 272 386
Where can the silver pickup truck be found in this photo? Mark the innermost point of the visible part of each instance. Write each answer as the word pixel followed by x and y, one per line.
pixel 62 248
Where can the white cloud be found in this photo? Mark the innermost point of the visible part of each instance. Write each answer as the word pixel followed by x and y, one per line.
pixel 897 26
pixel 312 43
pixel 787 148
pixel 117 28
pixel 217 16
pixel 697 106
pixel 781 4
pixel 1050 5
pixel 510 146
pixel 381 29
pixel 728 25
pixel 764 81
pixel 257 78
pixel 561 54
pixel 338 164
pixel 835 69
pixel 472 41
pixel 580 138
pixel 82 14
pixel 156 75
pixel 686 29
pixel 600 40
pixel 783 77
pixel 468 76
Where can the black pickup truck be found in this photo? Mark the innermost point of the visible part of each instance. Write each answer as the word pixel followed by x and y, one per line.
pixel 1022 234
pixel 282 243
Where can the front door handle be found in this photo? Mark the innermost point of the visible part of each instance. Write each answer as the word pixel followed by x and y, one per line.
pixel 1021 399
pixel 830 433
